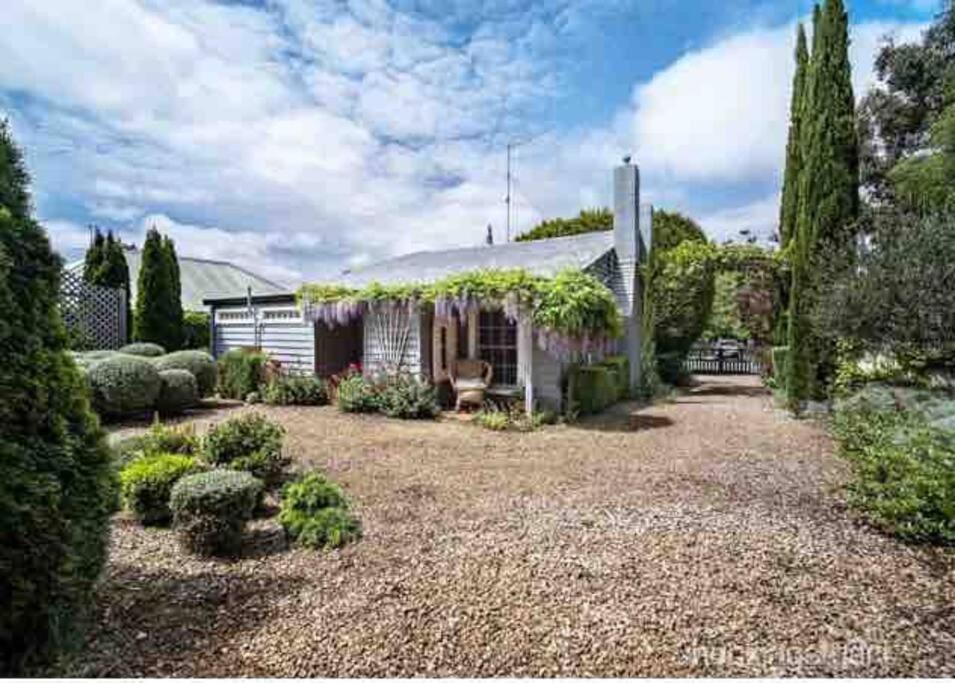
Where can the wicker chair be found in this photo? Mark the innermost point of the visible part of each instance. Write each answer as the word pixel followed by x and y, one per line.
pixel 470 378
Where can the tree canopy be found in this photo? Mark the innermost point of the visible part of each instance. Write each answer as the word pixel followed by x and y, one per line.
pixel 588 220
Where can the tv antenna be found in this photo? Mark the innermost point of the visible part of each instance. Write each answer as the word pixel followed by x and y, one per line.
pixel 511 146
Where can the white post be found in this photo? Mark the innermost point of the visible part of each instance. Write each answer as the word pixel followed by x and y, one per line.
pixel 525 358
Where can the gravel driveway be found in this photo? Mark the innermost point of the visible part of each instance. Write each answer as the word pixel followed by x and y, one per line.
pixel 705 536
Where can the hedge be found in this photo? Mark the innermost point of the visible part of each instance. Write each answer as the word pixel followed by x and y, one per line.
pixel 123 385
pixel 146 349
pixel 199 363
pixel 178 391
pixel 594 389
pixel 620 368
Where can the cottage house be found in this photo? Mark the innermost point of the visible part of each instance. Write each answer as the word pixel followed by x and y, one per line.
pixel 427 337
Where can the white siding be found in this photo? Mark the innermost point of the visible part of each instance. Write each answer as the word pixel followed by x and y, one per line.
pixel 278 330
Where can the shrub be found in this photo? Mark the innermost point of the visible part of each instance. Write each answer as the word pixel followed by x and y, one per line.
pixel 594 389
pixel 177 392
pixel 241 372
pixel 146 349
pixel 357 395
pixel 780 358
pixel 146 483
pixel 127 450
pixel 495 420
pixel 314 513
pixel 619 367
pixel 124 384
pixel 513 418
pixel 56 483
pixel 199 363
pixel 195 330
pixel 248 442
pixel 408 398
pixel 904 472
pixel 296 390
pixel 210 510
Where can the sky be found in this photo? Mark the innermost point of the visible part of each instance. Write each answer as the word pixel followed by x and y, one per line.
pixel 298 138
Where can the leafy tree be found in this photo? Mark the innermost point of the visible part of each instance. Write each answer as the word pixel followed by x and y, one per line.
pixel 896 118
pixel 828 195
pixel 588 220
pixel 56 486
pixel 926 182
pixel 790 197
pixel 725 321
pixel 900 290
pixel 158 313
pixel 95 255
pixel 680 288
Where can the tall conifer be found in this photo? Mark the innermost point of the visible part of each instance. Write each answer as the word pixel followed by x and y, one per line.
pixel 790 197
pixel 828 194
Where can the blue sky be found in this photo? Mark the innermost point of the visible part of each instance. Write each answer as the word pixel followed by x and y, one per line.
pixel 299 137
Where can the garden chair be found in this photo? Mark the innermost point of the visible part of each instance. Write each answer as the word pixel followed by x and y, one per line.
pixel 470 378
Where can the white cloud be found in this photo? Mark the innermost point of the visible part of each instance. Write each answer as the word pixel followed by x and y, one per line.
pixel 759 218
pixel 299 138
pixel 721 113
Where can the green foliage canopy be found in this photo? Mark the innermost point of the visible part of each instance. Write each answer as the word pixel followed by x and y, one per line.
pixel 588 220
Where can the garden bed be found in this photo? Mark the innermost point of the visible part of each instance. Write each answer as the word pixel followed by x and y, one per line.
pixel 703 536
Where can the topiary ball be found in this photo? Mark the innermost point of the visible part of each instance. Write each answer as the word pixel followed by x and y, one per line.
pixel 199 363
pixel 210 510
pixel 147 349
pixel 123 385
pixel 178 391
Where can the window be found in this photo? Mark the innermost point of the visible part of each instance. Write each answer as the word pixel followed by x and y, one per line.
pixel 497 344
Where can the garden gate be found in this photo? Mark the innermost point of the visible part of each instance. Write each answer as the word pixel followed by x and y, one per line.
pixel 717 359
pixel 95 316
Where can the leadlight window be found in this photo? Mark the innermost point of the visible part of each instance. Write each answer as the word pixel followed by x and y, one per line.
pixel 497 344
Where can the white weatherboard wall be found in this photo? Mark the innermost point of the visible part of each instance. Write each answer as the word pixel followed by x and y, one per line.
pixel 279 330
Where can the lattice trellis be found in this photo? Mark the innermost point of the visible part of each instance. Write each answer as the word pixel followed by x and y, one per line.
pixel 95 316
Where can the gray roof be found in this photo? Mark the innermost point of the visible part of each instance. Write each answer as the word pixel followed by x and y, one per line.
pixel 540 257
pixel 201 279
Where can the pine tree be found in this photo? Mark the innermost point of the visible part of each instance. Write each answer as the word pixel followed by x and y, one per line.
pixel 828 194
pixel 56 480
pixel 95 256
pixel 158 314
pixel 790 196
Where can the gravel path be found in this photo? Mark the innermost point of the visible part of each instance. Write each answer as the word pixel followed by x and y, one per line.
pixel 700 537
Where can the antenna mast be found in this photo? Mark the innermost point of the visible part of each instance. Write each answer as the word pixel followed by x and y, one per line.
pixel 507 199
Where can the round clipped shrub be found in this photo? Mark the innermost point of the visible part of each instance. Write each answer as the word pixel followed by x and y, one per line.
pixel 199 363
pixel 124 384
pixel 315 513
pixel 210 510
pixel 146 483
pixel 178 391
pixel 146 349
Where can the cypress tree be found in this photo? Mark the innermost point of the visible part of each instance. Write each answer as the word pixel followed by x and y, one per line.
pixel 828 194
pixel 56 482
pixel 95 256
pixel 790 196
pixel 175 300
pixel 151 316
pixel 115 273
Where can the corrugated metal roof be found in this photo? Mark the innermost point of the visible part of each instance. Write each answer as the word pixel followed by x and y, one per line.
pixel 201 279
pixel 540 257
